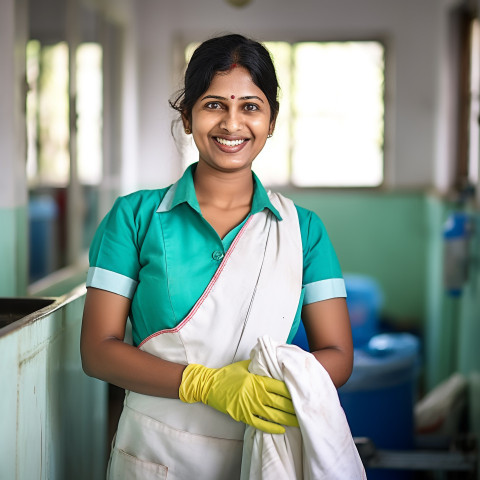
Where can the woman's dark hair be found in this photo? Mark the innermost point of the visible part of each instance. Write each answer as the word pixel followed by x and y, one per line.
pixel 220 54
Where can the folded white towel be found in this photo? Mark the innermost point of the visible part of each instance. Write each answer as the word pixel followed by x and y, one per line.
pixel 323 447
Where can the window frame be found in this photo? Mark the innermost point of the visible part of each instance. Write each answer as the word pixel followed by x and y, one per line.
pixel 462 182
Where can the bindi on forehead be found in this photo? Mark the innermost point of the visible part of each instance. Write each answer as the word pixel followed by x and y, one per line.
pixel 232 96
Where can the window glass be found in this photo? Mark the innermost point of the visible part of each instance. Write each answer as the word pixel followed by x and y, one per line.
pixel 47 114
pixel 474 131
pixel 89 103
pixel 337 102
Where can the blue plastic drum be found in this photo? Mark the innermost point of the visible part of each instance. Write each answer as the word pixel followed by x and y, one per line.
pixel 379 397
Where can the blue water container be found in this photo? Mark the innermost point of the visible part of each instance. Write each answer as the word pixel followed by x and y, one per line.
pixel 379 397
pixel 364 302
pixel 43 213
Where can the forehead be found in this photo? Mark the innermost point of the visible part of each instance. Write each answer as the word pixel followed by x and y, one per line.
pixel 237 81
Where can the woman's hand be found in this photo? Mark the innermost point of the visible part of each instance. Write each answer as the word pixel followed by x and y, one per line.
pixel 262 402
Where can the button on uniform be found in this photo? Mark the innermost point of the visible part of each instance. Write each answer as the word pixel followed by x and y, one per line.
pixel 217 255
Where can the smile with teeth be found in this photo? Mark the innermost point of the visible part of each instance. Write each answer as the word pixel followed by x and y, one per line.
pixel 229 143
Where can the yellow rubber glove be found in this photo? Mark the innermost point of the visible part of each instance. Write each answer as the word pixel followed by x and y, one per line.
pixel 262 402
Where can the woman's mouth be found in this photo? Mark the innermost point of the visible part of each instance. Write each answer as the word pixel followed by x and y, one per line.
pixel 230 143
pixel 230 146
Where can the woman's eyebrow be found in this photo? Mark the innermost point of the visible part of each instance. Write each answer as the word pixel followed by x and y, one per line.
pixel 248 97
pixel 251 97
pixel 216 97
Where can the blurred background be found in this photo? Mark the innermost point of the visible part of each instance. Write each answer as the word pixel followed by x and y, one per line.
pixel 378 133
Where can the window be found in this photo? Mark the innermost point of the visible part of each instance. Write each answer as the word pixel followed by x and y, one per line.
pixel 474 117
pixel 89 104
pixel 48 161
pixel 63 173
pixel 48 132
pixel 330 129
pixel 468 152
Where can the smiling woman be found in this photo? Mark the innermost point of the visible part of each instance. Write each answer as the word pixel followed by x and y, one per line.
pixel 230 133
pixel 203 269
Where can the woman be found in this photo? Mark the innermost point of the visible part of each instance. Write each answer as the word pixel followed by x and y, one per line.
pixel 203 268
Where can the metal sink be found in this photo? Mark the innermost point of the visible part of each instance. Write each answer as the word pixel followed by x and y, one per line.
pixel 13 309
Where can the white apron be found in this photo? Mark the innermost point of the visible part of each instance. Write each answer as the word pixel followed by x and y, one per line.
pixel 255 291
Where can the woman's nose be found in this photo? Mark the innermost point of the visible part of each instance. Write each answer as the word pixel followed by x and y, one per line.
pixel 232 121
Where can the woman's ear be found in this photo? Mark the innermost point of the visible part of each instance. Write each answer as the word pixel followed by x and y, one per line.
pixel 272 126
pixel 186 124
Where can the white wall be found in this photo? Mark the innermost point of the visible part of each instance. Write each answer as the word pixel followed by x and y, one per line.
pixel 13 34
pixel 13 192
pixel 414 33
pixel 122 13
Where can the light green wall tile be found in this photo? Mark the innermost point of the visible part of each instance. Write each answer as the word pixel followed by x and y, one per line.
pixel 382 235
pixel 469 334
pixel 13 251
pixel 438 350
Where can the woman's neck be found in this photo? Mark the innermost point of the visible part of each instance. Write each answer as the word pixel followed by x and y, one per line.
pixel 225 198
pixel 223 190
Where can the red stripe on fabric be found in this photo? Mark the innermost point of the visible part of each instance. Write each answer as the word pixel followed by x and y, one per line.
pixel 207 291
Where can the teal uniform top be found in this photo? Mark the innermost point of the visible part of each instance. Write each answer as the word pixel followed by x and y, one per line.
pixel 155 247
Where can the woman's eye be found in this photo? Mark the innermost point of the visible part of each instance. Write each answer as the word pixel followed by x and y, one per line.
pixel 251 107
pixel 213 105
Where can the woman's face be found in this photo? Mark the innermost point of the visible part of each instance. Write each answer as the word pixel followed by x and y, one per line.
pixel 230 121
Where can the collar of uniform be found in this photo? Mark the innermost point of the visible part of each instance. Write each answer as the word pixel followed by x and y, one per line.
pixel 261 199
pixel 183 191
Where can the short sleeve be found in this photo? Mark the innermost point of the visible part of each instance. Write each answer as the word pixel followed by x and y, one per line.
pixel 322 275
pixel 113 255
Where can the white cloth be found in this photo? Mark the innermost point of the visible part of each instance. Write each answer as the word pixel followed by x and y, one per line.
pixel 323 447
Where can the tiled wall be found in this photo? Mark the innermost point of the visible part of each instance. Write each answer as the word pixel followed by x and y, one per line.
pixel 469 329
pixel 13 251
pixel 381 235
